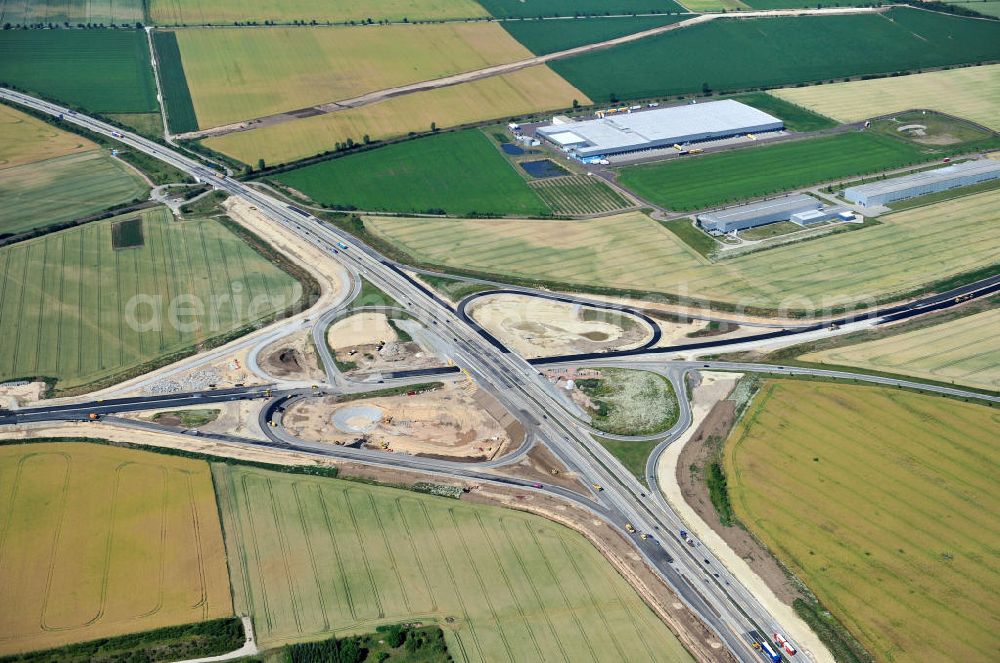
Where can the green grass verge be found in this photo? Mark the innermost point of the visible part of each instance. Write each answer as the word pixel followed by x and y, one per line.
pixel 106 71
pixel 189 418
pixel 796 118
pixel 181 116
pixel 771 52
pixel 718 493
pixel 844 647
pixel 693 237
pixel 632 455
pixel 630 402
pixel 209 638
pixel 207 205
pixel 754 172
pixel 454 289
pixel 458 173
pixel 541 37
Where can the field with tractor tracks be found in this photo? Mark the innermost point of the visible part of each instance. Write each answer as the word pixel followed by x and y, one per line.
pixel 106 71
pixel 884 503
pixel 529 90
pixel 972 93
pixel 311 557
pixel 772 52
pixel 109 12
pixel 237 74
pixel 904 252
pixel 75 309
pixel 226 12
pixel 962 351
pixel 579 194
pixel 98 541
pixel 460 173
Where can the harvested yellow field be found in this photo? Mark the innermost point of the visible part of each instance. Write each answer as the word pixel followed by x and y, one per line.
pixel 194 12
pixel 98 541
pixel 631 251
pixel 237 74
pixel 24 139
pixel 884 503
pixel 525 91
pixel 972 93
pixel 963 351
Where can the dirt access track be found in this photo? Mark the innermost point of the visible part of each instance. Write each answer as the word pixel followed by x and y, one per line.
pixel 539 327
pixel 499 70
pixel 457 421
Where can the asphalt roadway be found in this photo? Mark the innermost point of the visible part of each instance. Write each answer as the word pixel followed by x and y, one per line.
pixel 723 604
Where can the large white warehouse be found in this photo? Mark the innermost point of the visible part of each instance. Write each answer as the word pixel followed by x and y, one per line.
pixel 663 127
pixel 929 181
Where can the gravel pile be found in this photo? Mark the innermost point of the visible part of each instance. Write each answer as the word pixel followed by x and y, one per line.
pixel 195 381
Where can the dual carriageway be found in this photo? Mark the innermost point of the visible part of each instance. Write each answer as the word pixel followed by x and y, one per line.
pixel 694 574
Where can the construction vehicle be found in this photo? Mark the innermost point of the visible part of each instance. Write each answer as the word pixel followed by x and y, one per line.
pixel 629 528
pixel 598 487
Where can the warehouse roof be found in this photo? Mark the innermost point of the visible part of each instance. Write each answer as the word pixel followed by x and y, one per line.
pixel 935 176
pixel 790 204
pixel 677 124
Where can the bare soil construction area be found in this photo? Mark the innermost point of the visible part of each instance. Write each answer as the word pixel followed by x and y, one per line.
pixel 455 421
pixel 541 465
pixel 368 342
pixel 292 357
pixel 536 327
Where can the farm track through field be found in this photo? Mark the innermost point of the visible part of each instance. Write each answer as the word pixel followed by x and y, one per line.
pixel 373 97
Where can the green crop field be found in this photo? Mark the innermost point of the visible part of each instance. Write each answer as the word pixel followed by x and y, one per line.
pixel 972 93
pixel 963 351
pixel 106 71
pixel 579 194
pixel 101 541
pixel 74 309
pixel 459 172
pixel 74 12
pixel 542 37
pixel 176 95
pixel 311 557
pixel 64 188
pixel 226 12
pixel 884 503
pixel 757 171
pixel 237 74
pixel 536 8
pixel 984 7
pixel 781 51
pixel 795 117
pixel 904 252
